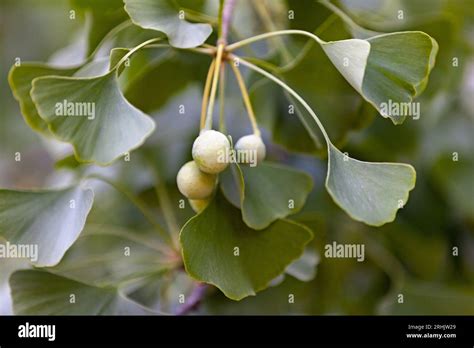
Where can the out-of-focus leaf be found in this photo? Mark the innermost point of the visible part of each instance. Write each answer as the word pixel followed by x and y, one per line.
pixel 423 298
pixel 210 239
pixel 163 293
pixel 455 179
pixel 106 256
pixel 381 142
pixel 126 35
pixel 101 17
pixel 289 297
pixel 304 268
pixel 51 220
pixel 283 118
pixel 391 15
pixel 163 78
pixel 164 17
pixel 308 14
pixel 357 31
pixel 423 253
pixel 9 266
pixel 42 293
pixel 195 5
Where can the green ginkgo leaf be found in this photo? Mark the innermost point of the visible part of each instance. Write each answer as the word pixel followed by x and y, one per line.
pixel 398 68
pixel 20 79
pixel 163 16
pixel 92 68
pixel 454 179
pixel 50 220
pixel 91 114
pixel 356 30
pixel 272 191
pixel 350 58
pixel 369 192
pixel 41 293
pixel 266 192
pixel 339 106
pixel 220 249
pixel 430 298
pixel 387 69
pixel 232 184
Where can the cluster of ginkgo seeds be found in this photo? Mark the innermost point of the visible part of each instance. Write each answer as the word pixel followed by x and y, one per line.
pixel 197 179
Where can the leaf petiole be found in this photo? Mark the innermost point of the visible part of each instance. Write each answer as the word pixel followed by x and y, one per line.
pixel 135 49
pixel 246 98
pixel 222 127
pixel 151 43
pixel 208 50
pixel 288 89
pixel 205 95
pixel 212 98
pixel 271 34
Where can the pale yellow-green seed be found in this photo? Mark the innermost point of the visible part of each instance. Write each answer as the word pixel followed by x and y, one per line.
pixel 210 151
pixel 193 183
pixel 251 148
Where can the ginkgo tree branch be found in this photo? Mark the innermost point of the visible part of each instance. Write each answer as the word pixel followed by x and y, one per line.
pixel 227 10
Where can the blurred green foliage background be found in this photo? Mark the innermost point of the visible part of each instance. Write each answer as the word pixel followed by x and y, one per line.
pixel 427 254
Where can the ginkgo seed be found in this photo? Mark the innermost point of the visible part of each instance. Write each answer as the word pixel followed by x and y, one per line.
pixel 210 151
pixel 193 183
pixel 252 143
